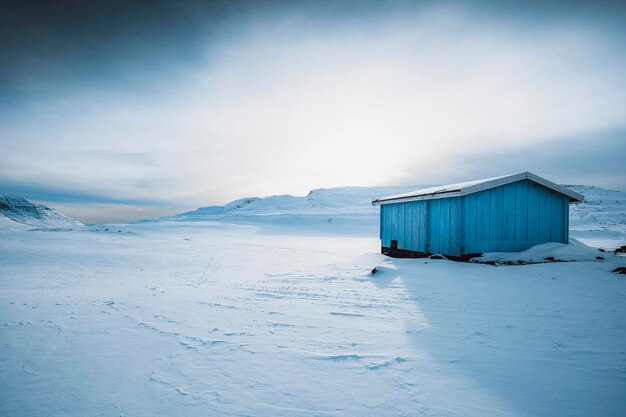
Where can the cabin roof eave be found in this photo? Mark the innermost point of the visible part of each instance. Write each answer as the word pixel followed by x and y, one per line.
pixel 474 187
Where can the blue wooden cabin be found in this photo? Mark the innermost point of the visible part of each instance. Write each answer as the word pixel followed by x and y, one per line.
pixel 503 214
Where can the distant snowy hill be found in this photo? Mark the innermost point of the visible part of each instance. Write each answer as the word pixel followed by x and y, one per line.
pixel 252 205
pixel 319 202
pixel 599 221
pixel 17 212
pixel 342 210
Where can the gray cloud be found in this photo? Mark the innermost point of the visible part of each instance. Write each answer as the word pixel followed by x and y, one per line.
pixel 589 159
pixel 199 104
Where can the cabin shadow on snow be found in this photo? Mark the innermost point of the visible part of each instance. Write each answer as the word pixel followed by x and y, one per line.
pixel 537 337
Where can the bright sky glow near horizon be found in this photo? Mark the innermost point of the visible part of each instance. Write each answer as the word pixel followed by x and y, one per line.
pixel 118 111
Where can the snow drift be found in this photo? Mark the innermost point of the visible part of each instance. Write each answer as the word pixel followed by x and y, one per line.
pixel 546 252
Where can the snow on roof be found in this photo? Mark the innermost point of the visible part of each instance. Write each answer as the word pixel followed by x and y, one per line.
pixel 464 188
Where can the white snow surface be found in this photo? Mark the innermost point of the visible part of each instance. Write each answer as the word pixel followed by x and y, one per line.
pixel 202 315
pixel 601 219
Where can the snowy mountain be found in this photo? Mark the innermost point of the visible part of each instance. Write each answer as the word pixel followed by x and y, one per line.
pixel 17 212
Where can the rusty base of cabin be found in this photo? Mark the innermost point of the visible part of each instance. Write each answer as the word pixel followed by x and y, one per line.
pixel 394 252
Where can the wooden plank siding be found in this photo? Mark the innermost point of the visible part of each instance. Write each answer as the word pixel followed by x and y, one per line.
pixel 434 209
pixel 514 217
pixel 423 226
pixel 533 214
pixel 521 212
pixel 509 219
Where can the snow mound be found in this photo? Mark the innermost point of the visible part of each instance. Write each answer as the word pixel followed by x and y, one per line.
pixel 17 212
pixel 546 252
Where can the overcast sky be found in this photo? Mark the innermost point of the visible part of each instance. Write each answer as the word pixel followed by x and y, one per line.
pixel 124 110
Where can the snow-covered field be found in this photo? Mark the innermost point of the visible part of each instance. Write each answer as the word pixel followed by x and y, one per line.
pixel 601 220
pixel 276 313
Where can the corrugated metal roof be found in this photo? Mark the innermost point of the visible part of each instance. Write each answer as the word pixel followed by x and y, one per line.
pixel 469 187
